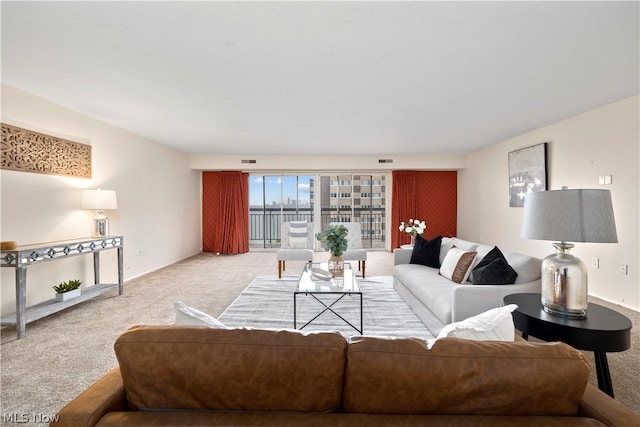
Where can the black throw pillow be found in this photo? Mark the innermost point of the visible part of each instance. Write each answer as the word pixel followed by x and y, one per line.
pixel 426 252
pixel 494 269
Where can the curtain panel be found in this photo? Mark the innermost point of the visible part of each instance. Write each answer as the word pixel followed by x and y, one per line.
pixel 403 204
pixel 225 212
pixel 430 196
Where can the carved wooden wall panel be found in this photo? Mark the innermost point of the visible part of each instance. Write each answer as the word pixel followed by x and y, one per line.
pixel 29 151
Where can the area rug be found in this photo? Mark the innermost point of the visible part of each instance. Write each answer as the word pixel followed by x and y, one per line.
pixel 268 303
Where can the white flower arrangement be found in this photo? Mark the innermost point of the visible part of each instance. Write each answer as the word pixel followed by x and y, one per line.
pixel 413 227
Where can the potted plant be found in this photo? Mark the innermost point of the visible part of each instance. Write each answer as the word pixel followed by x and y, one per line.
pixel 334 240
pixel 67 290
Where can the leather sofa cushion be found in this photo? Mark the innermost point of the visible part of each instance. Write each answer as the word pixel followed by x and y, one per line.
pixel 402 376
pixel 196 368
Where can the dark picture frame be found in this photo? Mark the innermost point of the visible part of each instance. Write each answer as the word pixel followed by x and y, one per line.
pixel 527 172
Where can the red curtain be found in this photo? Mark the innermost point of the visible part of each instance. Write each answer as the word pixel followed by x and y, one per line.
pixel 225 212
pixel 403 204
pixel 437 202
pixel 431 196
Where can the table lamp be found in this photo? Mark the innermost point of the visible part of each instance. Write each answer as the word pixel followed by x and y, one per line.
pixel 581 215
pixel 100 200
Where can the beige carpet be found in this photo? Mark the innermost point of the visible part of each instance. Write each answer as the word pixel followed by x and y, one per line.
pixel 65 353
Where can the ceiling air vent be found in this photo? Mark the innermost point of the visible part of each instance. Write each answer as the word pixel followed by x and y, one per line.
pixel 385 160
pixel 249 161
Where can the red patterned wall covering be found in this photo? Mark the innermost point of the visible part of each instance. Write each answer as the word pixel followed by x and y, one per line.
pixel 225 212
pixel 436 196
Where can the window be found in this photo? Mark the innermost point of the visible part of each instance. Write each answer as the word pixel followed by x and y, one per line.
pixel 274 199
pixel 354 198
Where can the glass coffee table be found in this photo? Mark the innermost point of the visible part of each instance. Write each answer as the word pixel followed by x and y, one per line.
pixel 342 287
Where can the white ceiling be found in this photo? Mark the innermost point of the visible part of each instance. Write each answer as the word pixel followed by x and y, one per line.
pixel 324 77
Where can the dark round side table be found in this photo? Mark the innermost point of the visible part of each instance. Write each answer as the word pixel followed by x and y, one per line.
pixel 602 330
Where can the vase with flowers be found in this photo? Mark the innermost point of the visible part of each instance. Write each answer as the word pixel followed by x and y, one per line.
pixel 334 240
pixel 413 227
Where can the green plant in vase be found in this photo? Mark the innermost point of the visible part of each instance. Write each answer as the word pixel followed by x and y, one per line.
pixel 334 240
pixel 67 290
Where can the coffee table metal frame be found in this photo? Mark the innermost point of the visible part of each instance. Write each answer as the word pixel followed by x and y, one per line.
pixel 342 287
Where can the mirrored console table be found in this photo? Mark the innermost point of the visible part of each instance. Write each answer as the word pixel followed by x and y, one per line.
pixel 24 256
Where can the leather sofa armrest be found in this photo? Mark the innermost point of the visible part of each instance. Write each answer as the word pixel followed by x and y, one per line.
pixel 106 395
pixel 599 405
pixel 469 300
pixel 402 256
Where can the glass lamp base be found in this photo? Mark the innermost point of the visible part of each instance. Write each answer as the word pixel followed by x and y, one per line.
pixel 564 283
pixel 572 314
pixel 100 227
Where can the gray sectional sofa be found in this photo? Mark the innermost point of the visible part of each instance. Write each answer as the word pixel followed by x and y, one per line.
pixel 438 301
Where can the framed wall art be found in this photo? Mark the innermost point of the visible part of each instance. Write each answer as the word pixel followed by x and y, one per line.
pixel 527 172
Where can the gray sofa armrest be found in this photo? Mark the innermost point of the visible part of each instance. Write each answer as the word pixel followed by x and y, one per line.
pixel 470 300
pixel 401 256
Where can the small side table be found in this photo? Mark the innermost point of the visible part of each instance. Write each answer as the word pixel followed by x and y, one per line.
pixel 603 330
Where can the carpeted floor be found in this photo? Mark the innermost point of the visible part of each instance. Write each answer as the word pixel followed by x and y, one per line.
pixel 65 353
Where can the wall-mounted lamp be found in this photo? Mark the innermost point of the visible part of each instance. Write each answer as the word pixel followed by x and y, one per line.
pixel 100 200
pixel 567 216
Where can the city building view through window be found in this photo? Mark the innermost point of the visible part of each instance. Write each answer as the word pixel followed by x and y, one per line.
pixel 319 200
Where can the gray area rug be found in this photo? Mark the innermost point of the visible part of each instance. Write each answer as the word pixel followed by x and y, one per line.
pixel 268 303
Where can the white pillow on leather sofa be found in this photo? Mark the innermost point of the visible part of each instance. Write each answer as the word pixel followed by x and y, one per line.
pixel 492 325
pixel 186 315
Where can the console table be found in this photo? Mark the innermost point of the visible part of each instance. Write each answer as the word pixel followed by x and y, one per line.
pixel 24 256
pixel 603 330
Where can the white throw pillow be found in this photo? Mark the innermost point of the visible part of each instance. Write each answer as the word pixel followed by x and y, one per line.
pixel 298 234
pixel 492 325
pixel 457 264
pixel 447 243
pixel 190 316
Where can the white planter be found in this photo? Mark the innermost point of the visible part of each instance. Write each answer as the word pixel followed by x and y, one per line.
pixel 65 296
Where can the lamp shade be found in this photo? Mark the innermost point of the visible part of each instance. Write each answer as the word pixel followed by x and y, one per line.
pixel 99 199
pixel 576 215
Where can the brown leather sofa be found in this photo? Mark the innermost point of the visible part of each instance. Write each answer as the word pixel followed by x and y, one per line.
pixel 173 375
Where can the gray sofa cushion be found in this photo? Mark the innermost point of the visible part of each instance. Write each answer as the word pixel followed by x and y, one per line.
pixel 428 286
pixel 465 245
pixel 527 267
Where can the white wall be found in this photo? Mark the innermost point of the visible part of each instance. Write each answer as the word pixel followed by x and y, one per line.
pixel 605 141
pixel 158 200
pixel 331 162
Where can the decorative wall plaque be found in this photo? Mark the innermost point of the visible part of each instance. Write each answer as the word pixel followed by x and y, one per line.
pixel 29 151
